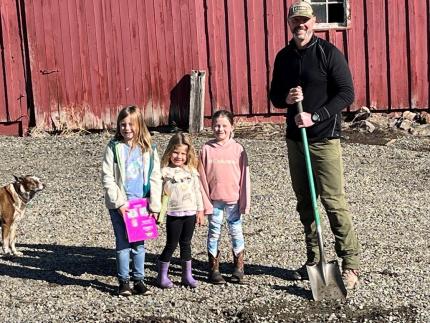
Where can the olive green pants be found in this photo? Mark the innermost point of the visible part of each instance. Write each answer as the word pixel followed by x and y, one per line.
pixel 327 166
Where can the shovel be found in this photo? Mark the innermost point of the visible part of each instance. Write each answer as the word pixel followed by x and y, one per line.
pixel 325 277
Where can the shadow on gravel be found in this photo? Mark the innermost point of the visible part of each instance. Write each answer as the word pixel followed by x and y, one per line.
pixel 65 265
pixel 200 272
pixel 62 265
pixel 69 265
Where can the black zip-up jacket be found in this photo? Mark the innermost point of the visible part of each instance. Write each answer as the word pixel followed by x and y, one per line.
pixel 323 73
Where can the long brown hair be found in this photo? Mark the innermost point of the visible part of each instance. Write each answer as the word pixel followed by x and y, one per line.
pixel 143 137
pixel 179 139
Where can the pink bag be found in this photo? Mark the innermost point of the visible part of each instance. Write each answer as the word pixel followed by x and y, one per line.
pixel 139 224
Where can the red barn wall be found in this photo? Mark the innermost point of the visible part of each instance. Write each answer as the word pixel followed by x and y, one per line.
pixel 14 116
pixel 88 58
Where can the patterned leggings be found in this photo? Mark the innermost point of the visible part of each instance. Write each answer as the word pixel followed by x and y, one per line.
pixel 234 223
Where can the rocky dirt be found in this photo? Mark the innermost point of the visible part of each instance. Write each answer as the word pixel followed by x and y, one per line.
pixel 67 271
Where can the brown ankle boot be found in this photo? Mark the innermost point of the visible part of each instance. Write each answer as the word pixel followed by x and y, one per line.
pixel 238 273
pixel 214 274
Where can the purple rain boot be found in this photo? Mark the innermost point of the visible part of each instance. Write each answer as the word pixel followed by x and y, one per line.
pixel 163 280
pixel 187 277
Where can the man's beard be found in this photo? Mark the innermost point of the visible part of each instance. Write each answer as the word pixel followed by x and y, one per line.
pixel 302 36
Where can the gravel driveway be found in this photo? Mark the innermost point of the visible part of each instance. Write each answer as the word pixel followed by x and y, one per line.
pixel 67 272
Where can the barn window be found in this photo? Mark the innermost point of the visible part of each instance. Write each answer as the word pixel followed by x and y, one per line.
pixel 331 13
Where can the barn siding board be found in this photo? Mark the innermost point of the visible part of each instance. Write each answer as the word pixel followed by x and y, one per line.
pixel 177 41
pixel 3 80
pixel 198 24
pixel 419 52
pixel 257 57
pixel 63 40
pixel 398 55
pixel 150 109
pixel 376 29
pixel 49 74
pixel 7 28
pixel 137 71
pixel 34 60
pixel 118 59
pixel 16 88
pixel 145 52
pixel 94 68
pixel 13 93
pixel 75 116
pixel 163 75
pixel 217 55
pixel 276 38
pixel 3 93
pixel 237 57
pixel 126 53
pixel 76 56
pixel 100 58
pixel 168 12
pixel 186 53
pixel 356 42
pixel 160 52
pixel 89 58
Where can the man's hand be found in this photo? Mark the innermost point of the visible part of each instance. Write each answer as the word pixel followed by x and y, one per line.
pixel 294 95
pixel 304 120
pixel 200 218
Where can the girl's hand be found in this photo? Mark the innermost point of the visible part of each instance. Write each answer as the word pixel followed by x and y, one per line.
pixel 123 210
pixel 200 218
pixel 154 215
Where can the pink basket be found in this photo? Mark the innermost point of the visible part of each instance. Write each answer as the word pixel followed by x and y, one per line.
pixel 140 226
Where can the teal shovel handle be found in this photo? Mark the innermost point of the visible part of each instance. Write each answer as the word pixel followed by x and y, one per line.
pixel 311 185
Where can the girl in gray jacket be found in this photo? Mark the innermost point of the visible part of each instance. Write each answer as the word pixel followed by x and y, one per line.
pixel 131 169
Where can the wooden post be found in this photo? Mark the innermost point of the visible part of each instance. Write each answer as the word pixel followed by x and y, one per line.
pixel 197 101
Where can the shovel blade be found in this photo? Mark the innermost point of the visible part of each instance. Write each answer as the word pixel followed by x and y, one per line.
pixel 326 281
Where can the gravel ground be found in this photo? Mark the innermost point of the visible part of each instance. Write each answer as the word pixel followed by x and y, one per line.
pixel 67 272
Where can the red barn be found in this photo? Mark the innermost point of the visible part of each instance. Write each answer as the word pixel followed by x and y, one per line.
pixel 74 63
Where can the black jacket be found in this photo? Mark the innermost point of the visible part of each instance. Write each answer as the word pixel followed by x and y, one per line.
pixel 323 73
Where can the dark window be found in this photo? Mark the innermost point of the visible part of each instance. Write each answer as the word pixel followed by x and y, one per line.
pixel 336 13
pixel 331 13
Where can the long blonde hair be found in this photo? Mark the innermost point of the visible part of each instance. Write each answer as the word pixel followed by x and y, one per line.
pixel 143 137
pixel 179 139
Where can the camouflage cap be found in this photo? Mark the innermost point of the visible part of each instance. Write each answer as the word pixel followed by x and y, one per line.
pixel 300 9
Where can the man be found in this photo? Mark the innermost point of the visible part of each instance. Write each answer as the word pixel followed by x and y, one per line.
pixel 314 71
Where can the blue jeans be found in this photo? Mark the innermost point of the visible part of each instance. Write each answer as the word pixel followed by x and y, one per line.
pixel 124 249
pixel 234 223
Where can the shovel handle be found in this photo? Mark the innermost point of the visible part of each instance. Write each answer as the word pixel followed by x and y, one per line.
pixel 311 185
pixel 299 106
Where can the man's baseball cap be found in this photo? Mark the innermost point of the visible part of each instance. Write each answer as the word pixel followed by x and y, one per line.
pixel 300 9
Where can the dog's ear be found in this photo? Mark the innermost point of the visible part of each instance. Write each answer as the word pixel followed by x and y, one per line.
pixel 18 179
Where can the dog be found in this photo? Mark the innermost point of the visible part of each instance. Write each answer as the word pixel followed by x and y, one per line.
pixel 14 198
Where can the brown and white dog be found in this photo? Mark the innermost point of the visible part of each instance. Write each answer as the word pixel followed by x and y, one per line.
pixel 13 200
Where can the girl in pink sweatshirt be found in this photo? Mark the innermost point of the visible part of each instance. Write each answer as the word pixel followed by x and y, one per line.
pixel 225 182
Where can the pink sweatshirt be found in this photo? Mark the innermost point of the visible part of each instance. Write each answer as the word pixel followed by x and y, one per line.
pixel 224 175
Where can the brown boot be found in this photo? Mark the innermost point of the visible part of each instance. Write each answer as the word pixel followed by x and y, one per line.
pixel 238 273
pixel 350 278
pixel 214 274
